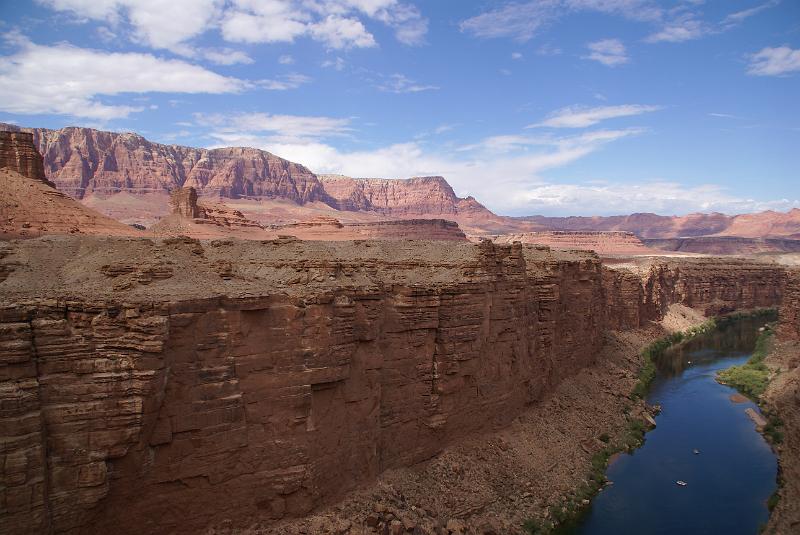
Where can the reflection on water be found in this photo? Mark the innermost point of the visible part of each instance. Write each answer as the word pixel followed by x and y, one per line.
pixel 735 339
pixel 728 481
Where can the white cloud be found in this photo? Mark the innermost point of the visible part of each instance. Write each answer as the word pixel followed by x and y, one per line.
pixel 271 22
pixel 155 23
pixel 398 83
pixel 581 117
pixel 685 28
pixel 67 80
pixel 336 64
pixel 173 25
pixel 286 60
pixel 342 32
pixel 260 129
pixel 661 197
pixel 739 16
pixel 776 61
pixel 522 21
pixel 609 52
pixel 516 55
pixel 226 56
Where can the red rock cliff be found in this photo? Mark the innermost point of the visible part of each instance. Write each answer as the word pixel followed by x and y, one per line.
pixel 81 161
pixel 18 153
pixel 789 327
pixel 137 399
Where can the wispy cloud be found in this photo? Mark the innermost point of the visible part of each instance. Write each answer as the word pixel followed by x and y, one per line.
pixel 548 50
pixel 262 129
pixel 226 56
pixel 337 64
pixel 398 83
pixel 684 24
pixel 582 117
pixel 684 28
pixel 522 21
pixel 778 61
pixel 284 82
pixel 609 52
pixel 740 16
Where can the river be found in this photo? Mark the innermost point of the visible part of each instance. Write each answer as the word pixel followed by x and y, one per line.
pixel 727 483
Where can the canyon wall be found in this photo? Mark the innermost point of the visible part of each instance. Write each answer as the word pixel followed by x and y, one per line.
pixel 83 161
pixel 789 327
pixel 138 398
pixel 603 243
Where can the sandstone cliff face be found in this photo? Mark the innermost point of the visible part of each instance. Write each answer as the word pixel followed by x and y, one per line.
pixel 789 327
pixel 142 400
pixel 18 154
pixel 419 195
pixel 173 413
pixel 712 286
pixel 82 161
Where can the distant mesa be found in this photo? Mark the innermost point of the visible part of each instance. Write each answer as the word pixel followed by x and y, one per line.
pixel 602 242
pixel 255 193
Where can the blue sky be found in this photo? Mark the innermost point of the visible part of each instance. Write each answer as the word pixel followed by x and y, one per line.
pixel 557 107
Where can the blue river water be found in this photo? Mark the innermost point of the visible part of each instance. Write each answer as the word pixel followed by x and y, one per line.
pixel 727 483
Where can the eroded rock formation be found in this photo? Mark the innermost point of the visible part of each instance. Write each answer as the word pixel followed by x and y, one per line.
pixel 184 202
pixel 18 153
pixel 281 374
pixel 603 243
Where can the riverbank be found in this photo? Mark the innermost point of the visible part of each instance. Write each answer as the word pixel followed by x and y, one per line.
pixel 496 482
pixel 782 399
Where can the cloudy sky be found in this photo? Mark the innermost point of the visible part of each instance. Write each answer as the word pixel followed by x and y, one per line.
pixel 551 107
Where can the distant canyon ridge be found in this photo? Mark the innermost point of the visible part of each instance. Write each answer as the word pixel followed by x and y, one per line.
pixel 129 179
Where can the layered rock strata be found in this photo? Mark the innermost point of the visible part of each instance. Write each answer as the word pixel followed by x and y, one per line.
pixel 603 243
pixel 726 245
pixel 789 327
pixel 277 376
pixel 325 228
pixel 18 153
